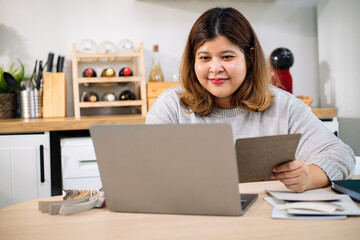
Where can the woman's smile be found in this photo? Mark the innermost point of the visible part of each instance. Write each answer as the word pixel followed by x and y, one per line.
pixel 217 81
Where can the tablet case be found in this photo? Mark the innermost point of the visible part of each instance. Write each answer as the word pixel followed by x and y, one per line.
pixel 257 156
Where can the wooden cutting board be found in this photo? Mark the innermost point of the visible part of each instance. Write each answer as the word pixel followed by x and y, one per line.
pixel 54 95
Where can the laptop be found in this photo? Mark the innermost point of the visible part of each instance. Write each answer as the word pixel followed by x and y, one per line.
pixel 169 169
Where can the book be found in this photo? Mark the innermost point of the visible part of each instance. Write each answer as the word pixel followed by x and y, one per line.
pixel 349 187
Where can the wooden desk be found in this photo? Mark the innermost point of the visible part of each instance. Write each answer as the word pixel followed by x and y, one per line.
pixel 25 221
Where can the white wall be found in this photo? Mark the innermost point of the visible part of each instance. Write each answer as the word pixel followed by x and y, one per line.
pixel 339 61
pixel 339 55
pixel 31 29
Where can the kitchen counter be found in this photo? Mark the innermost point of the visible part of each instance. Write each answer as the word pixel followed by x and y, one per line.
pixel 19 125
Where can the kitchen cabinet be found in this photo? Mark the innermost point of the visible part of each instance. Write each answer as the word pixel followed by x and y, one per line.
pixel 24 167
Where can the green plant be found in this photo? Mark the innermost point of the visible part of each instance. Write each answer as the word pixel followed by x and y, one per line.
pixel 17 72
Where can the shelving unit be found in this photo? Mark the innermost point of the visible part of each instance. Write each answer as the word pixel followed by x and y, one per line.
pixel 134 60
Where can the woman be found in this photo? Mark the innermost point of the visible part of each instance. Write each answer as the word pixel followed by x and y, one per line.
pixel 225 79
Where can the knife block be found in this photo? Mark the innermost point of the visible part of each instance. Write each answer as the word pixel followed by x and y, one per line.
pixel 54 98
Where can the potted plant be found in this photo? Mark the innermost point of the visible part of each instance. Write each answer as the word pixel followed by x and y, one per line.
pixel 8 95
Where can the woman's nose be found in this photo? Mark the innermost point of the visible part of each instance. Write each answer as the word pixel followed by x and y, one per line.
pixel 216 66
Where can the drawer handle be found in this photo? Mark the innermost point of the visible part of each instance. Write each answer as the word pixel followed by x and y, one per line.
pixel 86 161
pixel 42 171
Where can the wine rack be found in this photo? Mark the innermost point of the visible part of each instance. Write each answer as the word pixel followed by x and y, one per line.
pixel 134 60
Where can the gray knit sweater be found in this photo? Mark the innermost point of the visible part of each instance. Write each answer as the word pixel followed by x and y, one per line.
pixel 318 145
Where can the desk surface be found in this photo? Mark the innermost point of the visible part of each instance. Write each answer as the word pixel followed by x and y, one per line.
pixel 25 221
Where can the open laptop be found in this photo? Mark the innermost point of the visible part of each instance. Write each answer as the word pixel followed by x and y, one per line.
pixel 173 169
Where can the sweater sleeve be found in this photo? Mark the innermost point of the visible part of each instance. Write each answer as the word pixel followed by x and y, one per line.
pixel 318 145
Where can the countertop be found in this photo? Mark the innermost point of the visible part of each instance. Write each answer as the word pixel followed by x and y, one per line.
pixel 19 125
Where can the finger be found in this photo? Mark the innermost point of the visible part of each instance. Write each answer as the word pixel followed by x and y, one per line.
pixel 291 181
pixel 289 166
pixel 287 175
pixel 296 187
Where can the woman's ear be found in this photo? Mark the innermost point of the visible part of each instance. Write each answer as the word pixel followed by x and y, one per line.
pixel 252 54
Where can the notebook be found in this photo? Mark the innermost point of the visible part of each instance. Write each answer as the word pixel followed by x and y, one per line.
pixel 258 155
pixel 350 187
pixel 169 169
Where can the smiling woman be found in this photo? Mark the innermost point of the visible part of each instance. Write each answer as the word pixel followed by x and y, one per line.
pixel 225 78
pixel 228 32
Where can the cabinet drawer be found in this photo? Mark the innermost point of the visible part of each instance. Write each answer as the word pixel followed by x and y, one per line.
pixel 154 89
pixel 78 158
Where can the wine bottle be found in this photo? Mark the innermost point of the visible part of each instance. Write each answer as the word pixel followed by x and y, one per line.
pixel 108 97
pixel 156 74
pixel 127 95
pixel 89 72
pixel 90 96
pixel 126 71
pixel 107 72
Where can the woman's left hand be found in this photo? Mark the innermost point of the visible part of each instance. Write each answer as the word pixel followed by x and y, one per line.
pixel 295 175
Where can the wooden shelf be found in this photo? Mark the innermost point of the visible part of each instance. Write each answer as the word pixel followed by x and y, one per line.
pixel 110 104
pixel 112 57
pixel 109 79
pixel 137 62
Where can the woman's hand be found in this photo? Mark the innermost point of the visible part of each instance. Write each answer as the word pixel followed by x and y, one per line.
pixel 298 176
pixel 295 175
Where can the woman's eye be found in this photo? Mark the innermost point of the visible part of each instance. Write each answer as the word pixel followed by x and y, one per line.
pixel 205 58
pixel 228 57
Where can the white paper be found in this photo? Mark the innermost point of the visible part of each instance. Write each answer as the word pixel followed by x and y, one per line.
pixel 327 207
pixel 350 208
pixel 310 195
pixel 345 202
pixel 278 214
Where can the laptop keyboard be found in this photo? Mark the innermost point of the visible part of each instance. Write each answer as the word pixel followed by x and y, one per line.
pixel 243 203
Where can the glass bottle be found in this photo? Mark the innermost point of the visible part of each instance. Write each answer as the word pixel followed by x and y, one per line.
pixel 127 95
pixel 156 74
pixel 107 73
pixel 90 96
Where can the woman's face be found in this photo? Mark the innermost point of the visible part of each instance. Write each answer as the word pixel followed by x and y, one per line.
pixel 220 67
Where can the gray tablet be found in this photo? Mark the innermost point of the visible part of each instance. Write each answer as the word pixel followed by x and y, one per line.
pixel 257 156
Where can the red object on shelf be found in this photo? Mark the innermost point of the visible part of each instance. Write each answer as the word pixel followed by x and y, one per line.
pixel 281 59
pixel 285 79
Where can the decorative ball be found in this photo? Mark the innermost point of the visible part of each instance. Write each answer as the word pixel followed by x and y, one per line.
pixel 281 58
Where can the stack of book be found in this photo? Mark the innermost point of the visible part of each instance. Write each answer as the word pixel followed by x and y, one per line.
pixel 311 204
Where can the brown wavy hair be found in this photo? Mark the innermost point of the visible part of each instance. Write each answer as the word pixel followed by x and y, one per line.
pixel 254 94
